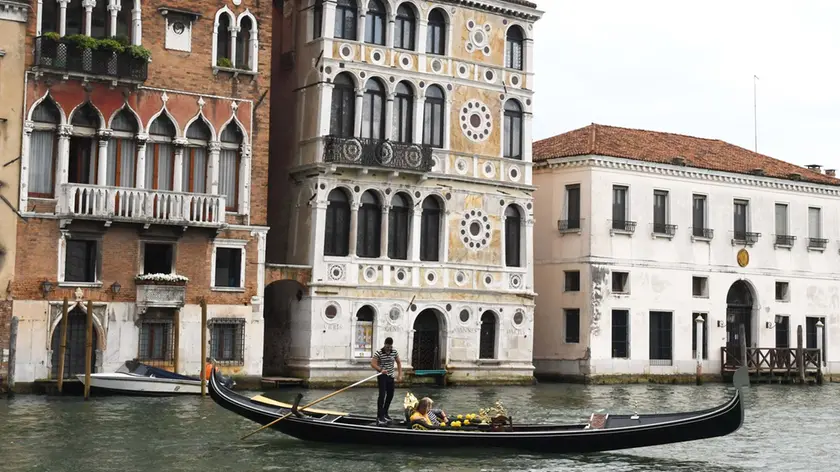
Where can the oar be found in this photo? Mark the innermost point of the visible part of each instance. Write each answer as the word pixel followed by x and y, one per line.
pixel 316 401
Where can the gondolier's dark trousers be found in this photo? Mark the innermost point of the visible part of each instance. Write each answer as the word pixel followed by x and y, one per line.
pixel 386 394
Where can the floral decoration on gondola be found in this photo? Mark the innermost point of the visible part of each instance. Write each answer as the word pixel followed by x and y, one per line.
pixel 496 417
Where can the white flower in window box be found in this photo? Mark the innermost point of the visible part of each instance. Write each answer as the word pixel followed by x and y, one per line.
pixel 161 279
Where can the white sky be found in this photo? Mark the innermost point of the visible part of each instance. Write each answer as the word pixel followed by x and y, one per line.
pixel 687 67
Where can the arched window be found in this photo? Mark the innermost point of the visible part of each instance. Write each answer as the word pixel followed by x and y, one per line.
pixel 398 227
pixel 513 237
pixel 513 130
pixel 100 21
pixel 513 48
pixel 436 33
pixel 74 19
pixel 337 230
pixel 160 155
pixel 125 23
pixel 404 28
pixel 368 235
pixel 373 110
pixel 317 19
pixel 487 340
pixel 375 23
pixel 433 117
pixel 223 37
pixel 122 150
pixel 343 109
pixel 403 114
pixel 83 155
pixel 243 44
pixel 42 149
pixel 363 344
pixel 50 18
pixel 229 159
pixel 430 223
pixel 194 172
pixel 345 19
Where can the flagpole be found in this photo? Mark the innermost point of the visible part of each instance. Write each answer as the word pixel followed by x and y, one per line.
pixel 755 112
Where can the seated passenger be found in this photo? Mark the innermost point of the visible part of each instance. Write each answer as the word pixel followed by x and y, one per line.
pixel 420 418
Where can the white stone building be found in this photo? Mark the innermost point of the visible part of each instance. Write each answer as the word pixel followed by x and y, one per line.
pixel 638 233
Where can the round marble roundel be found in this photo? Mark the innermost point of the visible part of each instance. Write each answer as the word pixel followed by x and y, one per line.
pixel 476 120
pixel 479 37
pixel 475 229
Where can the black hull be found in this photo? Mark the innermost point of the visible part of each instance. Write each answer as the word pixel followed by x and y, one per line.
pixel 620 431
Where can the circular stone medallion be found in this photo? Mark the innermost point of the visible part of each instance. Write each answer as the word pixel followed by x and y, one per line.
pixel 476 121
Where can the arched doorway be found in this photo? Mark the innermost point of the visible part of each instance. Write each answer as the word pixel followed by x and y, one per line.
pixel 426 350
pixel 74 353
pixel 739 306
pixel 281 303
pixel 487 339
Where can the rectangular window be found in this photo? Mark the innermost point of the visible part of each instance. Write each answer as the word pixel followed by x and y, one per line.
pixel 573 206
pixel 814 223
pixel 620 282
pixel 700 287
pixel 620 334
pixel 698 216
pixel 158 258
pixel 80 261
pixel 660 211
pixel 740 208
pixel 811 332
pixel 660 338
pixel 229 178
pixel 572 282
pixel 228 267
pixel 572 326
pixel 619 212
pixel 227 341
pixel 782 291
pixel 42 145
pixel 363 344
pixel 704 334
pixel 782 332
pixel 781 219
pixel 194 170
pixel 157 343
pixel 317 19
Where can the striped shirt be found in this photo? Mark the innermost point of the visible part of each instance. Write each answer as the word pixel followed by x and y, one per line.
pixel 386 360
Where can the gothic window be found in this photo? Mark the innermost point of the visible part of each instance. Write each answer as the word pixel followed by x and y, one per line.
pixel 398 227
pixel 369 230
pixel 513 237
pixel 404 28
pixel 125 26
pixel 160 154
pixel 100 21
pixel 373 110
pixel 403 114
pixel 122 150
pixel 513 48
pixel 194 171
pixel 345 19
pixel 375 23
pixel 430 225
pixel 433 117
pixel 487 339
pixel 83 155
pixel 42 149
pixel 343 109
pixel 76 19
pixel 337 231
pixel 243 43
pixel 513 130
pixel 436 33
pixel 235 47
pixel 230 158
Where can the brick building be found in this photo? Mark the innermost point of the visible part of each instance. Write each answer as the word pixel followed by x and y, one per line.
pixel 144 171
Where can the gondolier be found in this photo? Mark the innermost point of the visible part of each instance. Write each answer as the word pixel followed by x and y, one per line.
pixel 383 361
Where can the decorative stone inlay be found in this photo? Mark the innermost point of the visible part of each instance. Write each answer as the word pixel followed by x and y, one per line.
pixel 476 121
pixel 431 277
pixel 518 318
pixel 489 170
pixel 515 80
pixel 464 316
pixel 386 153
pixel 514 173
pixel 462 70
pixel 336 272
pixel 394 314
pixel 406 61
pixel 461 278
pixel 490 76
pixel 377 56
pixel 331 311
pixel 436 164
pixel 352 150
pixel 461 166
pixel 479 37
pixel 402 275
pixel 369 273
pixel 516 281
pixel 488 280
pixel 160 296
pixel 475 230
pixel 346 52
pixel 437 66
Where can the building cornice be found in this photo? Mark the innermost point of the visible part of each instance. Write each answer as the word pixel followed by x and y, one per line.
pixel 14 11
pixel 691 173
pixel 500 7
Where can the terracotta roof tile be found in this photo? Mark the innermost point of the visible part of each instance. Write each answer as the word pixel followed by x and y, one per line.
pixel 655 146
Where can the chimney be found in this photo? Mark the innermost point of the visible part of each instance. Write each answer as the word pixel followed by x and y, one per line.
pixel 830 172
pixel 815 168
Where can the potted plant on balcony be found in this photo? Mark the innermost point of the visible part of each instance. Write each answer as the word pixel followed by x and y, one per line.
pixel 47 49
pixel 161 279
pixel 105 56
pixel 80 52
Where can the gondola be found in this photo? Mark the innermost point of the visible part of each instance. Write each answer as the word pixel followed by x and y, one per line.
pixel 602 432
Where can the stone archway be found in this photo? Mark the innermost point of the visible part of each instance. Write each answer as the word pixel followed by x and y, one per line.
pixel 74 354
pixel 487 347
pixel 740 302
pixel 282 303
pixel 429 344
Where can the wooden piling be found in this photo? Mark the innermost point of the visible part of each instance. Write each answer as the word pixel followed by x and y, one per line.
pixel 62 346
pixel 88 346
pixel 176 335
pixel 800 355
pixel 203 347
pixel 698 322
pixel 13 330
pixel 742 341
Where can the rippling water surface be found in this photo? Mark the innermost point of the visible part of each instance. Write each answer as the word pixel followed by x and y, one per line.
pixel 786 428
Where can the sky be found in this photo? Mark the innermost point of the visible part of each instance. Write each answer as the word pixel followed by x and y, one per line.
pixel 687 67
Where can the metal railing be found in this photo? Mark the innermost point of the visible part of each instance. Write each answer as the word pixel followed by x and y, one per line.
pixel 668 230
pixel 785 240
pixel 622 225
pixel 817 243
pixel 746 237
pixel 703 233
pixel 378 153
pixel 66 56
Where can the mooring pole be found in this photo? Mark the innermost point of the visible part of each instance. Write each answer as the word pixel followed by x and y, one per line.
pixel 13 330
pixel 820 327
pixel 88 346
pixel 203 347
pixel 742 340
pixel 176 335
pixel 800 355
pixel 699 336
pixel 62 346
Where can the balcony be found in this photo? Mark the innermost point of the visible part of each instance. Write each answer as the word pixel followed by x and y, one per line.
pixel 569 226
pixel 702 233
pixel 622 227
pixel 817 244
pixel 368 152
pixel 132 205
pixel 664 230
pixel 785 240
pixel 69 57
pixel 745 237
pixel 161 291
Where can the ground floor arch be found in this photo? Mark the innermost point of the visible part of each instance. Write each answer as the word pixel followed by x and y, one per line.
pixel 282 299
pixel 740 304
pixel 74 353
pixel 487 342
pixel 428 348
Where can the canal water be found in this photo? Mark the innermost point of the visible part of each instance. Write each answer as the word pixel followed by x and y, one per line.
pixel 787 428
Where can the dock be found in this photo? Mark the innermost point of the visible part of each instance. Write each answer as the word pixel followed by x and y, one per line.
pixel 775 365
pixel 278 382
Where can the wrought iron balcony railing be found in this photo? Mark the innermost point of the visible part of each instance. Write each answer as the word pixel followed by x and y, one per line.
pixel 622 225
pixel 664 229
pixel 569 225
pixel 746 237
pixel 66 56
pixel 785 240
pixel 705 233
pixel 817 243
pixel 378 153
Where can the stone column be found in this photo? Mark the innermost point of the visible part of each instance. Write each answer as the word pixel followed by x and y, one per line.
pixel 324 118
pixel 528 57
pixel 178 173
pixel 114 8
pixel 362 19
pixel 416 225
pixel 527 149
pixel 137 19
pixel 389 117
pixel 23 203
pixel 212 185
pixel 444 236
pixel 234 32
pixel 420 36
pixel 88 6
pixel 419 109
pixel 102 169
pixel 244 204
pixel 529 251
pixel 140 172
pixel 319 222
pixel 261 235
pixel 357 120
pixel 447 121
pixel 63 161
pixel 389 32
pixel 354 227
pixel 62 16
pixel 328 24
pixel 383 235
